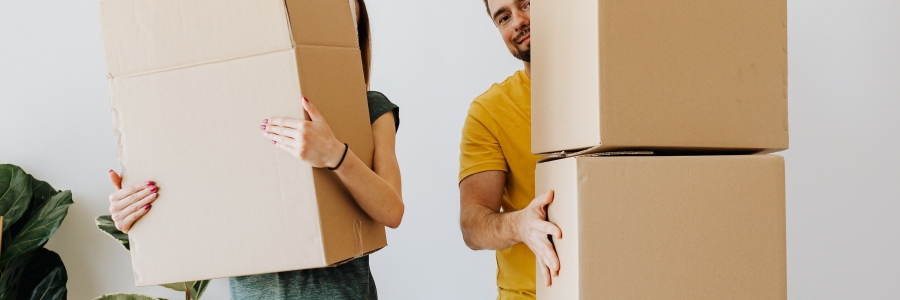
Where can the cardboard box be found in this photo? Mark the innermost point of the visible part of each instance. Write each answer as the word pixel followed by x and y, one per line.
pixel 705 75
pixel 693 227
pixel 191 82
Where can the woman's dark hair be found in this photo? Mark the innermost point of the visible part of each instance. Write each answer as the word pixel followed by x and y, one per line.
pixel 365 40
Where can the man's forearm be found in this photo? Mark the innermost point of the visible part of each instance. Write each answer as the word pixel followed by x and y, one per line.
pixel 486 229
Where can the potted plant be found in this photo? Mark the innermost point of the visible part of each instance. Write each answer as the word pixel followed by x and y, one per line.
pixel 32 211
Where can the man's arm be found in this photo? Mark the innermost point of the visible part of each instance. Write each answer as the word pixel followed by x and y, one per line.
pixel 484 227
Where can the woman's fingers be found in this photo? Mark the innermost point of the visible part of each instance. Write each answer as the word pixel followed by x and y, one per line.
pixel 128 221
pixel 281 130
pixel 290 149
pixel 135 197
pixel 280 139
pixel 312 111
pixel 283 122
pixel 127 191
pixel 115 179
pixel 137 205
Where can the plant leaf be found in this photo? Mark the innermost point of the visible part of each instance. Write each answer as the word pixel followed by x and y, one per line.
pixel 198 288
pixel 40 227
pixel 53 287
pixel 178 287
pixel 127 297
pixel 44 277
pixel 15 194
pixel 106 224
pixel 41 193
pixel 12 274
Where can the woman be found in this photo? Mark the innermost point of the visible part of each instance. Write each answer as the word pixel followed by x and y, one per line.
pixel 378 191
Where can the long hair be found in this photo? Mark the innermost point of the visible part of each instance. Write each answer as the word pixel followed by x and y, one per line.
pixel 364 33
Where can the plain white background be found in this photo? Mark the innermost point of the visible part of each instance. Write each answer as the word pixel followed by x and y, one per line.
pixel 432 58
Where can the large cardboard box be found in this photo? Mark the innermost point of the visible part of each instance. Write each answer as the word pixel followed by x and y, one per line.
pixel 643 75
pixel 190 82
pixel 693 227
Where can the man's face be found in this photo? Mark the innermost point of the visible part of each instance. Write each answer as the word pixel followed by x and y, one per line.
pixel 513 19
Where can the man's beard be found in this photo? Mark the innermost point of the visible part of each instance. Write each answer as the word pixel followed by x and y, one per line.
pixel 523 55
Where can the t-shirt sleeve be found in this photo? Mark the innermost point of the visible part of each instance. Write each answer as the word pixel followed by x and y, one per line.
pixel 379 105
pixel 480 149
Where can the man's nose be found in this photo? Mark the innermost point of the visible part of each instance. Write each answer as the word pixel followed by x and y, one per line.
pixel 521 20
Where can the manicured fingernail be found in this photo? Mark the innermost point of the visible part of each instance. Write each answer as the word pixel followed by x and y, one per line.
pixel 265 121
pixel 110 171
pixel 150 183
pixel 154 189
pixel 304 99
pixel 274 142
pixel 147 207
pixel 263 127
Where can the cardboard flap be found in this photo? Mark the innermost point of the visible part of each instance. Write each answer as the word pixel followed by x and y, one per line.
pixel 142 36
pixel 322 23
pixel 589 153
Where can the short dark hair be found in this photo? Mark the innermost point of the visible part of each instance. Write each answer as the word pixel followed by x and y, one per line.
pixel 487 7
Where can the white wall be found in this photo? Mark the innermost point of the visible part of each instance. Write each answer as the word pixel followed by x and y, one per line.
pixel 432 57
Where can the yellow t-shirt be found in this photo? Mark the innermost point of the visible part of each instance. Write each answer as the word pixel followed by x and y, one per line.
pixel 497 137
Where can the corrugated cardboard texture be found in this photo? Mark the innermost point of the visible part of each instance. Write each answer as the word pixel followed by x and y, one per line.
pixel 190 83
pixel 650 75
pixel 320 69
pixel 141 36
pixel 700 227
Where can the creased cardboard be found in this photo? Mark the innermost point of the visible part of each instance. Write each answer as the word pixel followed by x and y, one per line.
pixel 707 75
pixel 190 82
pixel 667 227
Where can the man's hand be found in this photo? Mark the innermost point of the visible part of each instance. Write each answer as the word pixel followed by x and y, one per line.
pixel 533 229
pixel 485 227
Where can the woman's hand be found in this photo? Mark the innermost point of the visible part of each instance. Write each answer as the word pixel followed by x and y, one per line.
pixel 311 141
pixel 130 204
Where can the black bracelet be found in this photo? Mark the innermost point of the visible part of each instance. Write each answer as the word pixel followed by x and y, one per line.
pixel 346 147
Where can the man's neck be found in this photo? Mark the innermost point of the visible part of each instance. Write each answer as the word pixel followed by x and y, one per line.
pixel 528 69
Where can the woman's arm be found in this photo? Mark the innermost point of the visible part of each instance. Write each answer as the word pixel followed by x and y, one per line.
pixel 377 192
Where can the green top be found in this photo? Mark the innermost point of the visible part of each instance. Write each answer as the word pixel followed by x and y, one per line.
pixel 380 105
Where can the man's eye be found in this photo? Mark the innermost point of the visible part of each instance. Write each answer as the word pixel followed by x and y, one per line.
pixel 503 20
pixel 527 5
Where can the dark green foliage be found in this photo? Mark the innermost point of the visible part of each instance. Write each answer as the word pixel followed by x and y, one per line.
pixel 33 211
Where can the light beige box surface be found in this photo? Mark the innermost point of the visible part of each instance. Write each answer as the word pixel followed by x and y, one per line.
pixel 190 83
pixel 648 75
pixel 692 227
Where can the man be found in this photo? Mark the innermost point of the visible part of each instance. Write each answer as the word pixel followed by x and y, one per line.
pixel 497 170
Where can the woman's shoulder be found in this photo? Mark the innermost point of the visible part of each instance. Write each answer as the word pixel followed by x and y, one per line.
pixel 379 104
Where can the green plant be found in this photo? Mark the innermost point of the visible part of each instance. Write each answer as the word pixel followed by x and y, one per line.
pixel 193 290
pixel 32 211
pixel 127 297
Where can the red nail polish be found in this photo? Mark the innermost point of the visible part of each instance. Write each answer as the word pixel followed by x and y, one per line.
pixel 274 142
pixel 263 127
pixel 265 121
pixel 304 99
pixel 110 171
pixel 147 207
pixel 154 189
pixel 150 183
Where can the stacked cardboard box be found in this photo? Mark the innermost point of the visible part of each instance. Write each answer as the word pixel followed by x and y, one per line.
pixel 703 81
pixel 190 83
